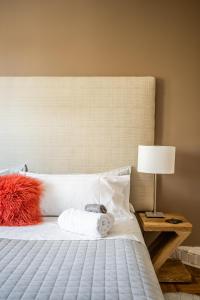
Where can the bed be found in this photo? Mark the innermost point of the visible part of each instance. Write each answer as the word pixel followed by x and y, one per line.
pixel 105 117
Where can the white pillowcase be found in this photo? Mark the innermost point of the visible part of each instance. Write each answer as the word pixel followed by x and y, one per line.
pixel 62 192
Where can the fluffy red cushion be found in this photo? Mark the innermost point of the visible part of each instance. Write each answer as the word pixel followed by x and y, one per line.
pixel 19 200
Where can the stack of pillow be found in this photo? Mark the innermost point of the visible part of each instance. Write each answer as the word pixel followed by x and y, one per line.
pixel 57 193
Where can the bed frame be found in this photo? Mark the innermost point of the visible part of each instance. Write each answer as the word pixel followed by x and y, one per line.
pixel 78 124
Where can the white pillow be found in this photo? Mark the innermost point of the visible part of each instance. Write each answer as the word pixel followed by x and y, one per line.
pixel 13 170
pixel 118 172
pixel 75 191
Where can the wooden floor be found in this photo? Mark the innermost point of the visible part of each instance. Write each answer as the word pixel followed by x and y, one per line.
pixel 191 288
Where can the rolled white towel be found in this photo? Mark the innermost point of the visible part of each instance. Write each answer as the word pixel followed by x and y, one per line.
pixel 87 223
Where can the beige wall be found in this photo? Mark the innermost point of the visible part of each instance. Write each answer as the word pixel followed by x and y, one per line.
pixel 111 37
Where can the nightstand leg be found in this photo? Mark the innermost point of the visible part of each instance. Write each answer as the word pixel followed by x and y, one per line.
pixel 164 245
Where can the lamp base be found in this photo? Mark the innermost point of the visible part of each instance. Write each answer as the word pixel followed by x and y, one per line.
pixel 151 214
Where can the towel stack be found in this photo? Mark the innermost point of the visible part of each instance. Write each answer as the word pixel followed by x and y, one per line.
pixel 94 222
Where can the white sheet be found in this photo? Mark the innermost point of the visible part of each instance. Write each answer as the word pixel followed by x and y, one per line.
pixel 49 230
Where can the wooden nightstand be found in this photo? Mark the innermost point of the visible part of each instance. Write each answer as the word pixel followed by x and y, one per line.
pixel 170 237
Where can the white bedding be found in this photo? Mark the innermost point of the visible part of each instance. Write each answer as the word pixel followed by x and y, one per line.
pixel 49 230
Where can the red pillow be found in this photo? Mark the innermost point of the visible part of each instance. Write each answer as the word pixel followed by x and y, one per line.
pixel 19 200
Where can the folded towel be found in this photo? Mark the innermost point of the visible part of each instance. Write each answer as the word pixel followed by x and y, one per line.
pixel 97 208
pixel 83 222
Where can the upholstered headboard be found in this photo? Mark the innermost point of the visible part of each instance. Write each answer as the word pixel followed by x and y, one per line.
pixel 78 124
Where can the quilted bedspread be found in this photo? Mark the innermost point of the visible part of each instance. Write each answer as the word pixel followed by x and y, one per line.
pixel 102 269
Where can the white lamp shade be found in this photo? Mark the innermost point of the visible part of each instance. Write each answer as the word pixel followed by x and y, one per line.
pixel 156 159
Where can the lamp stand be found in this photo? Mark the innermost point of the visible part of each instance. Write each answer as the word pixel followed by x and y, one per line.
pixel 154 213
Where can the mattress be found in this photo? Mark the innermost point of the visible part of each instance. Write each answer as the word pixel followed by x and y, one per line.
pixel 118 267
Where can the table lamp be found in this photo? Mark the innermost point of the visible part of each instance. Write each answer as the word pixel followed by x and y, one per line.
pixel 156 160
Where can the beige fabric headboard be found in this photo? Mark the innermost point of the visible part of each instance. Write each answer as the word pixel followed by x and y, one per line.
pixel 78 124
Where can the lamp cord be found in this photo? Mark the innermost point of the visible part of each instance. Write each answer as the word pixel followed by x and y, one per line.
pixel 155 193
